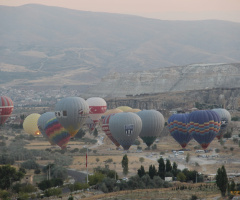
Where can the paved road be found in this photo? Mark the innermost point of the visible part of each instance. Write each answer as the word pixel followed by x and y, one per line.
pixel 77 176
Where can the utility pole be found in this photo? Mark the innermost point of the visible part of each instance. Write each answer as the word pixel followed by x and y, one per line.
pixel 196 177
pixel 115 171
pixel 87 164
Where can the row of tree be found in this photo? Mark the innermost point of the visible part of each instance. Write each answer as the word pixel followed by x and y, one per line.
pixel 169 170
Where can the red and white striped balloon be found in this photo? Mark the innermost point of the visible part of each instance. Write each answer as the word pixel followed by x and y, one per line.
pixel 105 128
pixel 97 107
pixel 6 108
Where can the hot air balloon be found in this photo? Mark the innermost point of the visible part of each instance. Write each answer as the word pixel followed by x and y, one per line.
pixel 177 125
pixel 125 128
pixel 97 106
pixel 90 124
pixel 124 108
pixel 30 125
pixel 225 120
pixel 112 111
pixel 134 110
pixel 42 121
pixel 108 112
pixel 152 125
pixel 105 128
pixel 71 112
pixel 203 125
pixel 56 133
pixel 6 108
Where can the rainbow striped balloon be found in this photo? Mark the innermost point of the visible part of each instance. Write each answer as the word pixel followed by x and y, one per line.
pixel 56 133
pixel 177 125
pixel 204 125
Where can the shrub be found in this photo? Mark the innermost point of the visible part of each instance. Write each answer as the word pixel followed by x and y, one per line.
pixel 95 178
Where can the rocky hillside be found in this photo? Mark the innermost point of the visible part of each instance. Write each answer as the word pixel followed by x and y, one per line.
pixel 186 100
pixel 170 79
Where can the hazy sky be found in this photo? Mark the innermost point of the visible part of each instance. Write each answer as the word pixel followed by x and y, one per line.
pixel 161 9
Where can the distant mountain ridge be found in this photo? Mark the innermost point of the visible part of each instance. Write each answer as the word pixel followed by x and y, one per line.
pixel 51 46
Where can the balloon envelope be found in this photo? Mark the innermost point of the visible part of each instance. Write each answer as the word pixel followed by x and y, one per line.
pixel 134 110
pixel 225 120
pixel 42 121
pixel 125 128
pixel 203 125
pixel 56 133
pixel 90 124
pixel 71 112
pixel 177 125
pixel 6 108
pixel 112 111
pixel 30 125
pixel 152 125
pixel 124 108
pixel 97 106
pixel 105 128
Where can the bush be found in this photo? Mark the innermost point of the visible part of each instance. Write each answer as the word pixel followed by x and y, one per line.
pixel 235 118
pixel 30 164
pixel 107 172
pixel 46 184
pixel 95 178
pixel 154 147
pixel 109 160
pixel 108 185
pixel 24 188
pixel 37 171
pixel 4 194
pixel 136 142
pixel 53 192
pixel 181 177
pixel 228 134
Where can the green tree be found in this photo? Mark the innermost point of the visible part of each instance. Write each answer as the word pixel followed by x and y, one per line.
pixel 30 164
pixel 136 142
pixel 125 164
pixel 8 176
pixel 181 177
pixel 141 171
pixel 97 159
pixel 174 169
pixel 53 192
pixel 45 184
pixel 161 168
pixel 188 157
pixel 95 132
pixel 154 147
pixel 168 166
pixel 95 178
pixel 59 172
pixel 80 134
pixel 4 195
pixel 222 180
pixel 141 159
pixel 152 171
pixel 232 185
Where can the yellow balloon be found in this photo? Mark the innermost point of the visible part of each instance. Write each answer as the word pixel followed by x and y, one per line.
pixel 30 124
pixel 112 111
pixel 134 110
pixel 124 108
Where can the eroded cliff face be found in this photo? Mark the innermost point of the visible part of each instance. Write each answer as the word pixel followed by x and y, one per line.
pixel 205 99
pixel 170 79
